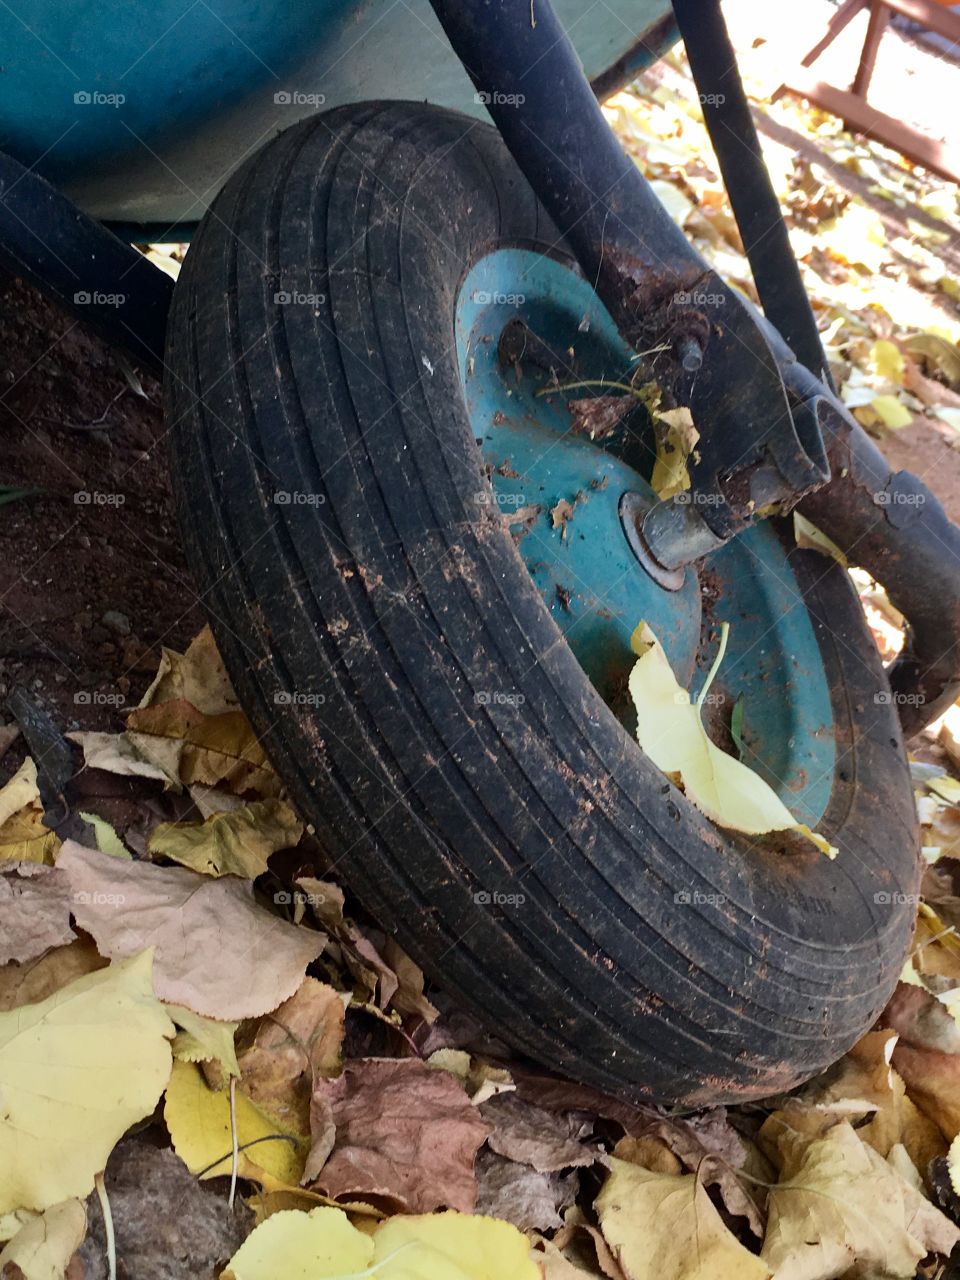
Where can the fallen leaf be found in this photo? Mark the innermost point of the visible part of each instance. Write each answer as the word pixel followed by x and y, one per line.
pixel 35 904
pixel 201 1039
pixel 167 1225
pixel 23 836
pixel 933 1084
pixel 598 416
pixel 838 1203
pixel 76 1070
pixel 190 747
pixel 665 1227
pixel 236 843
pixel 368 967
pixel 34 980
pixel 293 1047
pixel 531 1135
pixel 42 1247
pixel 197 676
pixel 519 1194
pixel 323 1243
pixel 107 839
pixel 198 1119
pixel 674 447
pixel 115 753
pixel 406 1137
pixel 217 952
pixel 670 731
pixel 887 360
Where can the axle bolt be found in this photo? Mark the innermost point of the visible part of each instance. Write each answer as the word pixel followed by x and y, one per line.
pixel 690 354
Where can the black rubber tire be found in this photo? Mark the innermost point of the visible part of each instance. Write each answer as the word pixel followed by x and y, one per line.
pixel 397 597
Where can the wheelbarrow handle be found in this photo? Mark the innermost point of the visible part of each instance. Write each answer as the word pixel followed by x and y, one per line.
pixel 893 526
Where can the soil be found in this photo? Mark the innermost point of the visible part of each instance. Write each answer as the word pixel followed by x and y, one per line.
pixel 92 575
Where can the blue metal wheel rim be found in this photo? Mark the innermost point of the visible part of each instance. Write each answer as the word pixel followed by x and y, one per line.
pixel 583 567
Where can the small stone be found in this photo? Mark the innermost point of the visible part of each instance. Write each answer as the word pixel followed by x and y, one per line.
pixel 118 622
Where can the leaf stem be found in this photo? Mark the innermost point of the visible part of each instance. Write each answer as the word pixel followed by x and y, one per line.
pixel 101 1187
pixel 715 667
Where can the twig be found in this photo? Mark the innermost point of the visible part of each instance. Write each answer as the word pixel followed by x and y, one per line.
pixel 235 1160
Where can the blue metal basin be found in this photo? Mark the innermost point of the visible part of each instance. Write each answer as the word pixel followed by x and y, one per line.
pixel 140 111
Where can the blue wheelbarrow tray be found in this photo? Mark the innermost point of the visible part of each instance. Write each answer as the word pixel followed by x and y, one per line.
pixel 140 111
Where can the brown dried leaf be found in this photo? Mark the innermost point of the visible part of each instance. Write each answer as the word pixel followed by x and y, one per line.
pixel 406 1137
pixel 35 907
pixel 217 952
pixel 191 747
pixel 531 1135
pixel 599 416
pixel 235 843
pixel 32 982
pixel 292 1048
pixel 197 676
pixel 531 1200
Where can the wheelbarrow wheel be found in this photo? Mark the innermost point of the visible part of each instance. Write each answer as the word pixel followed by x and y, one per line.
pixel 405 666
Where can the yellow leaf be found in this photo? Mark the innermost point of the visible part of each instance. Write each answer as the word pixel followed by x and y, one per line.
pixel 192 747
pixel 303 1246
pixel 235 843
pixel 203 1039
pixel 670 474
pixel 107 839
pixel 671 733
pixel 839 1203
pixel 665 1227
pixel 198 1118
pixel 440 1246
pixel 76 1070
pixel 887 360
pixel 44 1245
pixel 23 836
pixel 197 676
pixel 891 412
